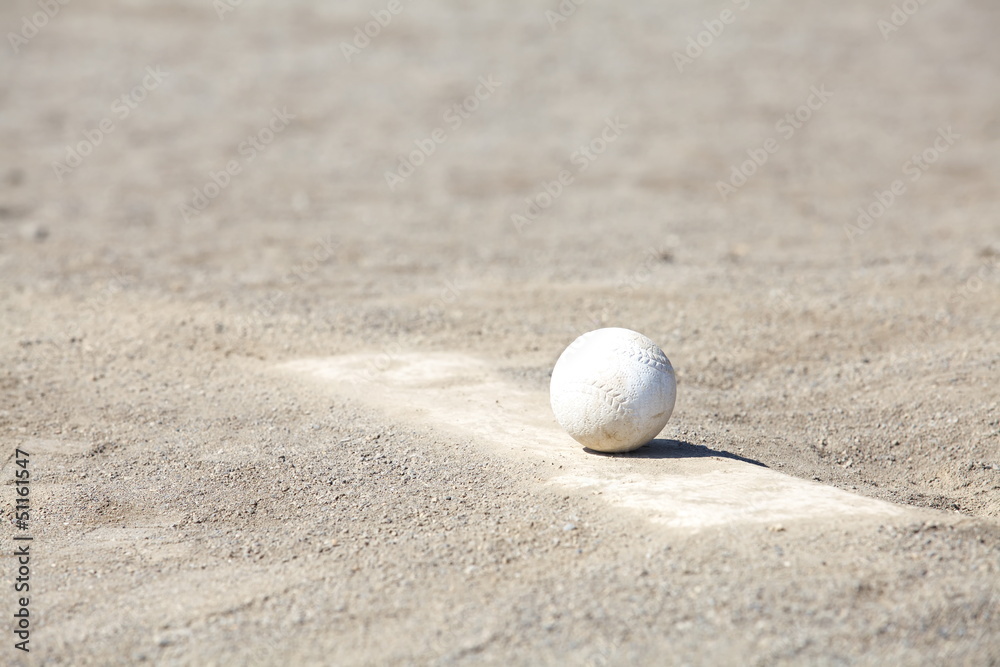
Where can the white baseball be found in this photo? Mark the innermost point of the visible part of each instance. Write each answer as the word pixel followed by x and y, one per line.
pixel 613 390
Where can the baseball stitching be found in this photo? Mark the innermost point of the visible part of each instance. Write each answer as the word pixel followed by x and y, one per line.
pixel 657 361
pixel 614 399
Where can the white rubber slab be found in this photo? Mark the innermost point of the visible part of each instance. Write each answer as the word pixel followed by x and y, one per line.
pixel 675 484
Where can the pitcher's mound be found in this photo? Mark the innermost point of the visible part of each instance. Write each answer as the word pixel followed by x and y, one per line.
pixel 670 482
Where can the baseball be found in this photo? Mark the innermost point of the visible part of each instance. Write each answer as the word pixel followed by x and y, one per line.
pixel 613 390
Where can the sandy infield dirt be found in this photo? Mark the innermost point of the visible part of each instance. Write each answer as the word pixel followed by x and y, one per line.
pixel 196 198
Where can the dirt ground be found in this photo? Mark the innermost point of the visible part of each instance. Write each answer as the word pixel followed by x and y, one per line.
pixel 192 194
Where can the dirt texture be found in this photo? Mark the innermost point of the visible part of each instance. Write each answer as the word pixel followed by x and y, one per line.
pixel 191 197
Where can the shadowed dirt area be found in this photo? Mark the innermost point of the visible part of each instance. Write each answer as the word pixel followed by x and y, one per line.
pixel 796 200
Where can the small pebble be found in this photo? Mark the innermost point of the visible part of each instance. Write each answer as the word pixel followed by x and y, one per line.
pixel 33 232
